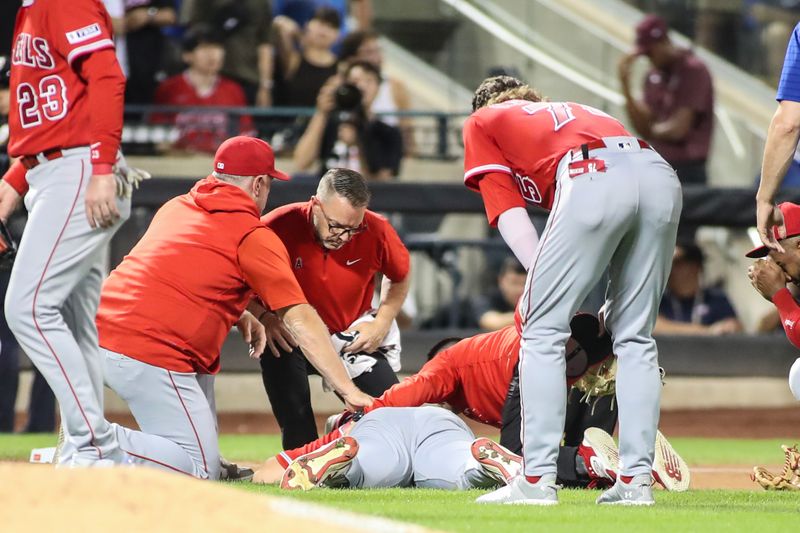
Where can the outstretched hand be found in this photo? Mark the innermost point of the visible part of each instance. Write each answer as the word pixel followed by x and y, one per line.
pixel 769 216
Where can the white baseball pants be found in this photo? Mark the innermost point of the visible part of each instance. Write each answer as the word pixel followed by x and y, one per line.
pixel 624 219
pixel 425 447
pixel 53 296
pixel 178 427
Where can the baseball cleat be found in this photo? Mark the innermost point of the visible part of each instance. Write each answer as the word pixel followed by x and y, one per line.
pixel 520 492
pixel 325 467
pixel 232 472
pixel 669 468
pixel 600 455
pixel 638 492
pixel 498 463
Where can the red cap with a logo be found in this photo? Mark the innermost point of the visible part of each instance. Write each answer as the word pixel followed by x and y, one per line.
pixel 649 31
pixel 791 221
pixel 247 156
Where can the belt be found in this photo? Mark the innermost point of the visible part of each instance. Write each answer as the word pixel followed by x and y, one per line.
pixel 33 161
pixel 597 144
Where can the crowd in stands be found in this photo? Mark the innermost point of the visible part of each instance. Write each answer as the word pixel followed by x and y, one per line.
pixel 750 33
pixel 290 53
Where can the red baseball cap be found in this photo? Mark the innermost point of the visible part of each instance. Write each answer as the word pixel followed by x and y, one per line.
pixel 649 31
pixel 247 156
pixel 791 221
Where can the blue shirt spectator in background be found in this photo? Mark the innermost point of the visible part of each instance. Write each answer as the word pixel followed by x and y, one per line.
pixel 687 307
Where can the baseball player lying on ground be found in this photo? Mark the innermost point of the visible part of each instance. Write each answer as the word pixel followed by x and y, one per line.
pixel 475 377
pixel 426 447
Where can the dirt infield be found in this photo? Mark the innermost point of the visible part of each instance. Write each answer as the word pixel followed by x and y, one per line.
pixel 143 499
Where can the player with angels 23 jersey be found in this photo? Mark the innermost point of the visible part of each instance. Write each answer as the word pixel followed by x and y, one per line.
pixel 65 127
pixel 614 203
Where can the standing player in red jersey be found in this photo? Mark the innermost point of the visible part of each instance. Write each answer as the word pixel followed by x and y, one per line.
pixel 63 71
pixel 336 247
pixel 615 203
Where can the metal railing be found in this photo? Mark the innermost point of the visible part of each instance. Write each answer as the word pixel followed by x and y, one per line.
pixel 437 133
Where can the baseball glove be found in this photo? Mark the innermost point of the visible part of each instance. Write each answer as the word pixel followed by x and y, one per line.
pixel 8 248
pixel 128 179
pixel 788 479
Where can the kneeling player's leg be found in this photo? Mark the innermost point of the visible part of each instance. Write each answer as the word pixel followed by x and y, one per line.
pixel 178 430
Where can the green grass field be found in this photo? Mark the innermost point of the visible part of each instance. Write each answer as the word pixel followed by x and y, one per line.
pixel 699 510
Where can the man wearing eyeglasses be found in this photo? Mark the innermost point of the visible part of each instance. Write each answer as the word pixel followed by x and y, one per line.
pixel 336 247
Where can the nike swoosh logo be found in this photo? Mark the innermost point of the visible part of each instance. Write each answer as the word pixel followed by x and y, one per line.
pixel 352 261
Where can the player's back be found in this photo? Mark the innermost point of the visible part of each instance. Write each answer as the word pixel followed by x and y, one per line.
pixel 528 139
pixel 543 132
pixel 49 106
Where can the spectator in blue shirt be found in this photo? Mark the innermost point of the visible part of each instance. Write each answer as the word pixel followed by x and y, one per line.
pixel 782 137
pixel 688 308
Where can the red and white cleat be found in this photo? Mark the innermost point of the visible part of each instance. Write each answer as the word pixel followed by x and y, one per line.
pixel 601 457
pixel 499 463
pixel 669 468
pixel 325 467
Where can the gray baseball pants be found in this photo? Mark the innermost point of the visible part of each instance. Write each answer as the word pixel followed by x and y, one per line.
pixel 427 447
pixel 53 295
pixel 178 426
pixel 624 219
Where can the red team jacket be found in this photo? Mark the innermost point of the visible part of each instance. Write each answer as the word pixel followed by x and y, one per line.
pixel 176 295
pixel 512 149
pixel 60 48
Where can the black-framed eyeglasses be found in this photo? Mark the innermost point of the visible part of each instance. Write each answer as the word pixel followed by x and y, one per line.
pixel 337 230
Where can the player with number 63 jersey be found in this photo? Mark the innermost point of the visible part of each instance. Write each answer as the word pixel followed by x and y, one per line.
pixel 614 205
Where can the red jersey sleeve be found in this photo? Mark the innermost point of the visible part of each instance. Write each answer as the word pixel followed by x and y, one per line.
pixel 80 27
pixel 434 383
pixel 481 153
pixel 789 312
pixel 500 193
pixel 16 177
pixel 106 84
pixel 265 263
pixel 287 456
pixel 396 259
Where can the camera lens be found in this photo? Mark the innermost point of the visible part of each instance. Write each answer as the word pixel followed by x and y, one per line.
pixel 348 97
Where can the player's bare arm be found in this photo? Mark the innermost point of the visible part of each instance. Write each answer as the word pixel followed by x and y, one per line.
pixel 782 138
pixel 372 333
pixel 306 326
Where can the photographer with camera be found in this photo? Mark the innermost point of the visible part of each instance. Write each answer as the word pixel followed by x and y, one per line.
pixel 344 132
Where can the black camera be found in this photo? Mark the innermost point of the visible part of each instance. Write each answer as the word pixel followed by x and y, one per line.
pixel 348 106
